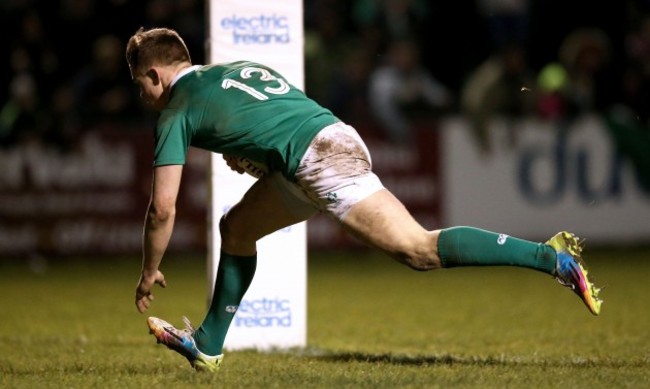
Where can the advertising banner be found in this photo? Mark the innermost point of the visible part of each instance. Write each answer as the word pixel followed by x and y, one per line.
pixel 273 313
pixel 544 177
pixel 91 200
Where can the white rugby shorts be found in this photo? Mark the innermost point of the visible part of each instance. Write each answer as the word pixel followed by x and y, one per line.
pixel 334 174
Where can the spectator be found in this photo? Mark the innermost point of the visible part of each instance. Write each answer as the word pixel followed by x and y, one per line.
pixel 159 13
pixel 629 121
pixel 552 85
pixel 576 84
pixel 635 86
pixel 507 21
pixel 347 93
pixel 20 114
pixel 327 44
pixel 585 53
pixel 78 23
pixel 395 19
pixel 501 86
pixel 402 89
pixel 43 61
pixel 62 125
pixel 98 85
pixel 189 21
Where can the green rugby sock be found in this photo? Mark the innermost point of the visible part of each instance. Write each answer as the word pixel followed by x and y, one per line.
pixel 234 276
pixel 468 246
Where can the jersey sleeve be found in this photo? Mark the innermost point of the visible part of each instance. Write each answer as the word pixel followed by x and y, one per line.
pixel 172 139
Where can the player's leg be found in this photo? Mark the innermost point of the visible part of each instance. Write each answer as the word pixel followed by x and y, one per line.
pixel 383 222
pixel 336 172
pixel 264 209
pixel 269 205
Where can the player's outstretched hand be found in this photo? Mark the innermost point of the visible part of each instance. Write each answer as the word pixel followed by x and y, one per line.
pixel 143 296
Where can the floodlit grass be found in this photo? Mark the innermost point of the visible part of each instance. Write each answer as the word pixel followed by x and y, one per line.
pixel 372 323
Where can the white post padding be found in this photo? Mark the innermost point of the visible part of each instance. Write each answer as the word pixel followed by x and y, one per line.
pixel 273 313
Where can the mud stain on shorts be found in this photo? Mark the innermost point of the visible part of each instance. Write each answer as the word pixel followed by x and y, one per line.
pixel 323 146
pixel 342 152
pixel 336 171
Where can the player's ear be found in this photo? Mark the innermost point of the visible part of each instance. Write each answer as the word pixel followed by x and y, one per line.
pixel 152 73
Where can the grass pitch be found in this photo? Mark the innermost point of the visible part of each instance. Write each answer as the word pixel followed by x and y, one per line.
pixel 371 324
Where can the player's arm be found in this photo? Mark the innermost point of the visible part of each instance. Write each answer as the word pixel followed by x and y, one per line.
pixel 158 226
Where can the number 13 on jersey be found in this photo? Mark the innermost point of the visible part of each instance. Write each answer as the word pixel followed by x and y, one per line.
pixel 264 75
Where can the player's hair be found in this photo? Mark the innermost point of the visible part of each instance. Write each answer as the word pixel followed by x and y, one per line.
pixel 157 46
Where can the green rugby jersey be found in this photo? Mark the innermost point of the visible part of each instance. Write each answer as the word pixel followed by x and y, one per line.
pixel 240 109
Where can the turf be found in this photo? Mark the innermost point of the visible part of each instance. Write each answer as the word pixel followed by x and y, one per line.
pixel 372 324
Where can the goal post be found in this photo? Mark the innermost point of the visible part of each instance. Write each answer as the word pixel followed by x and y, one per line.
pixel 273 313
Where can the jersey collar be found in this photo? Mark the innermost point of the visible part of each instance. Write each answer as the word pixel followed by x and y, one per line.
pixel 184 72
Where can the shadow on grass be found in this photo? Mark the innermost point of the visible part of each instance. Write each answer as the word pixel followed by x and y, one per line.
pixel 449 360
pixel 415 360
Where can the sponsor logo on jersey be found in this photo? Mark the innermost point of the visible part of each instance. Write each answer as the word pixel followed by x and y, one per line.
pixel 257 30
pixel 502 239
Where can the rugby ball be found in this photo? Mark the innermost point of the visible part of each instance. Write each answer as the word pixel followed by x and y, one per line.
pixel 255 169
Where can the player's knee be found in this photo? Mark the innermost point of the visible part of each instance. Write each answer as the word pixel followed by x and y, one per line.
pixel 224 229
pixel 419 253
pixel 420 261
pixel 233 232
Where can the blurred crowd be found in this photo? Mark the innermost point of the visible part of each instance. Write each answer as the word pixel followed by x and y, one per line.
pixel 64 71
pixel 378 63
